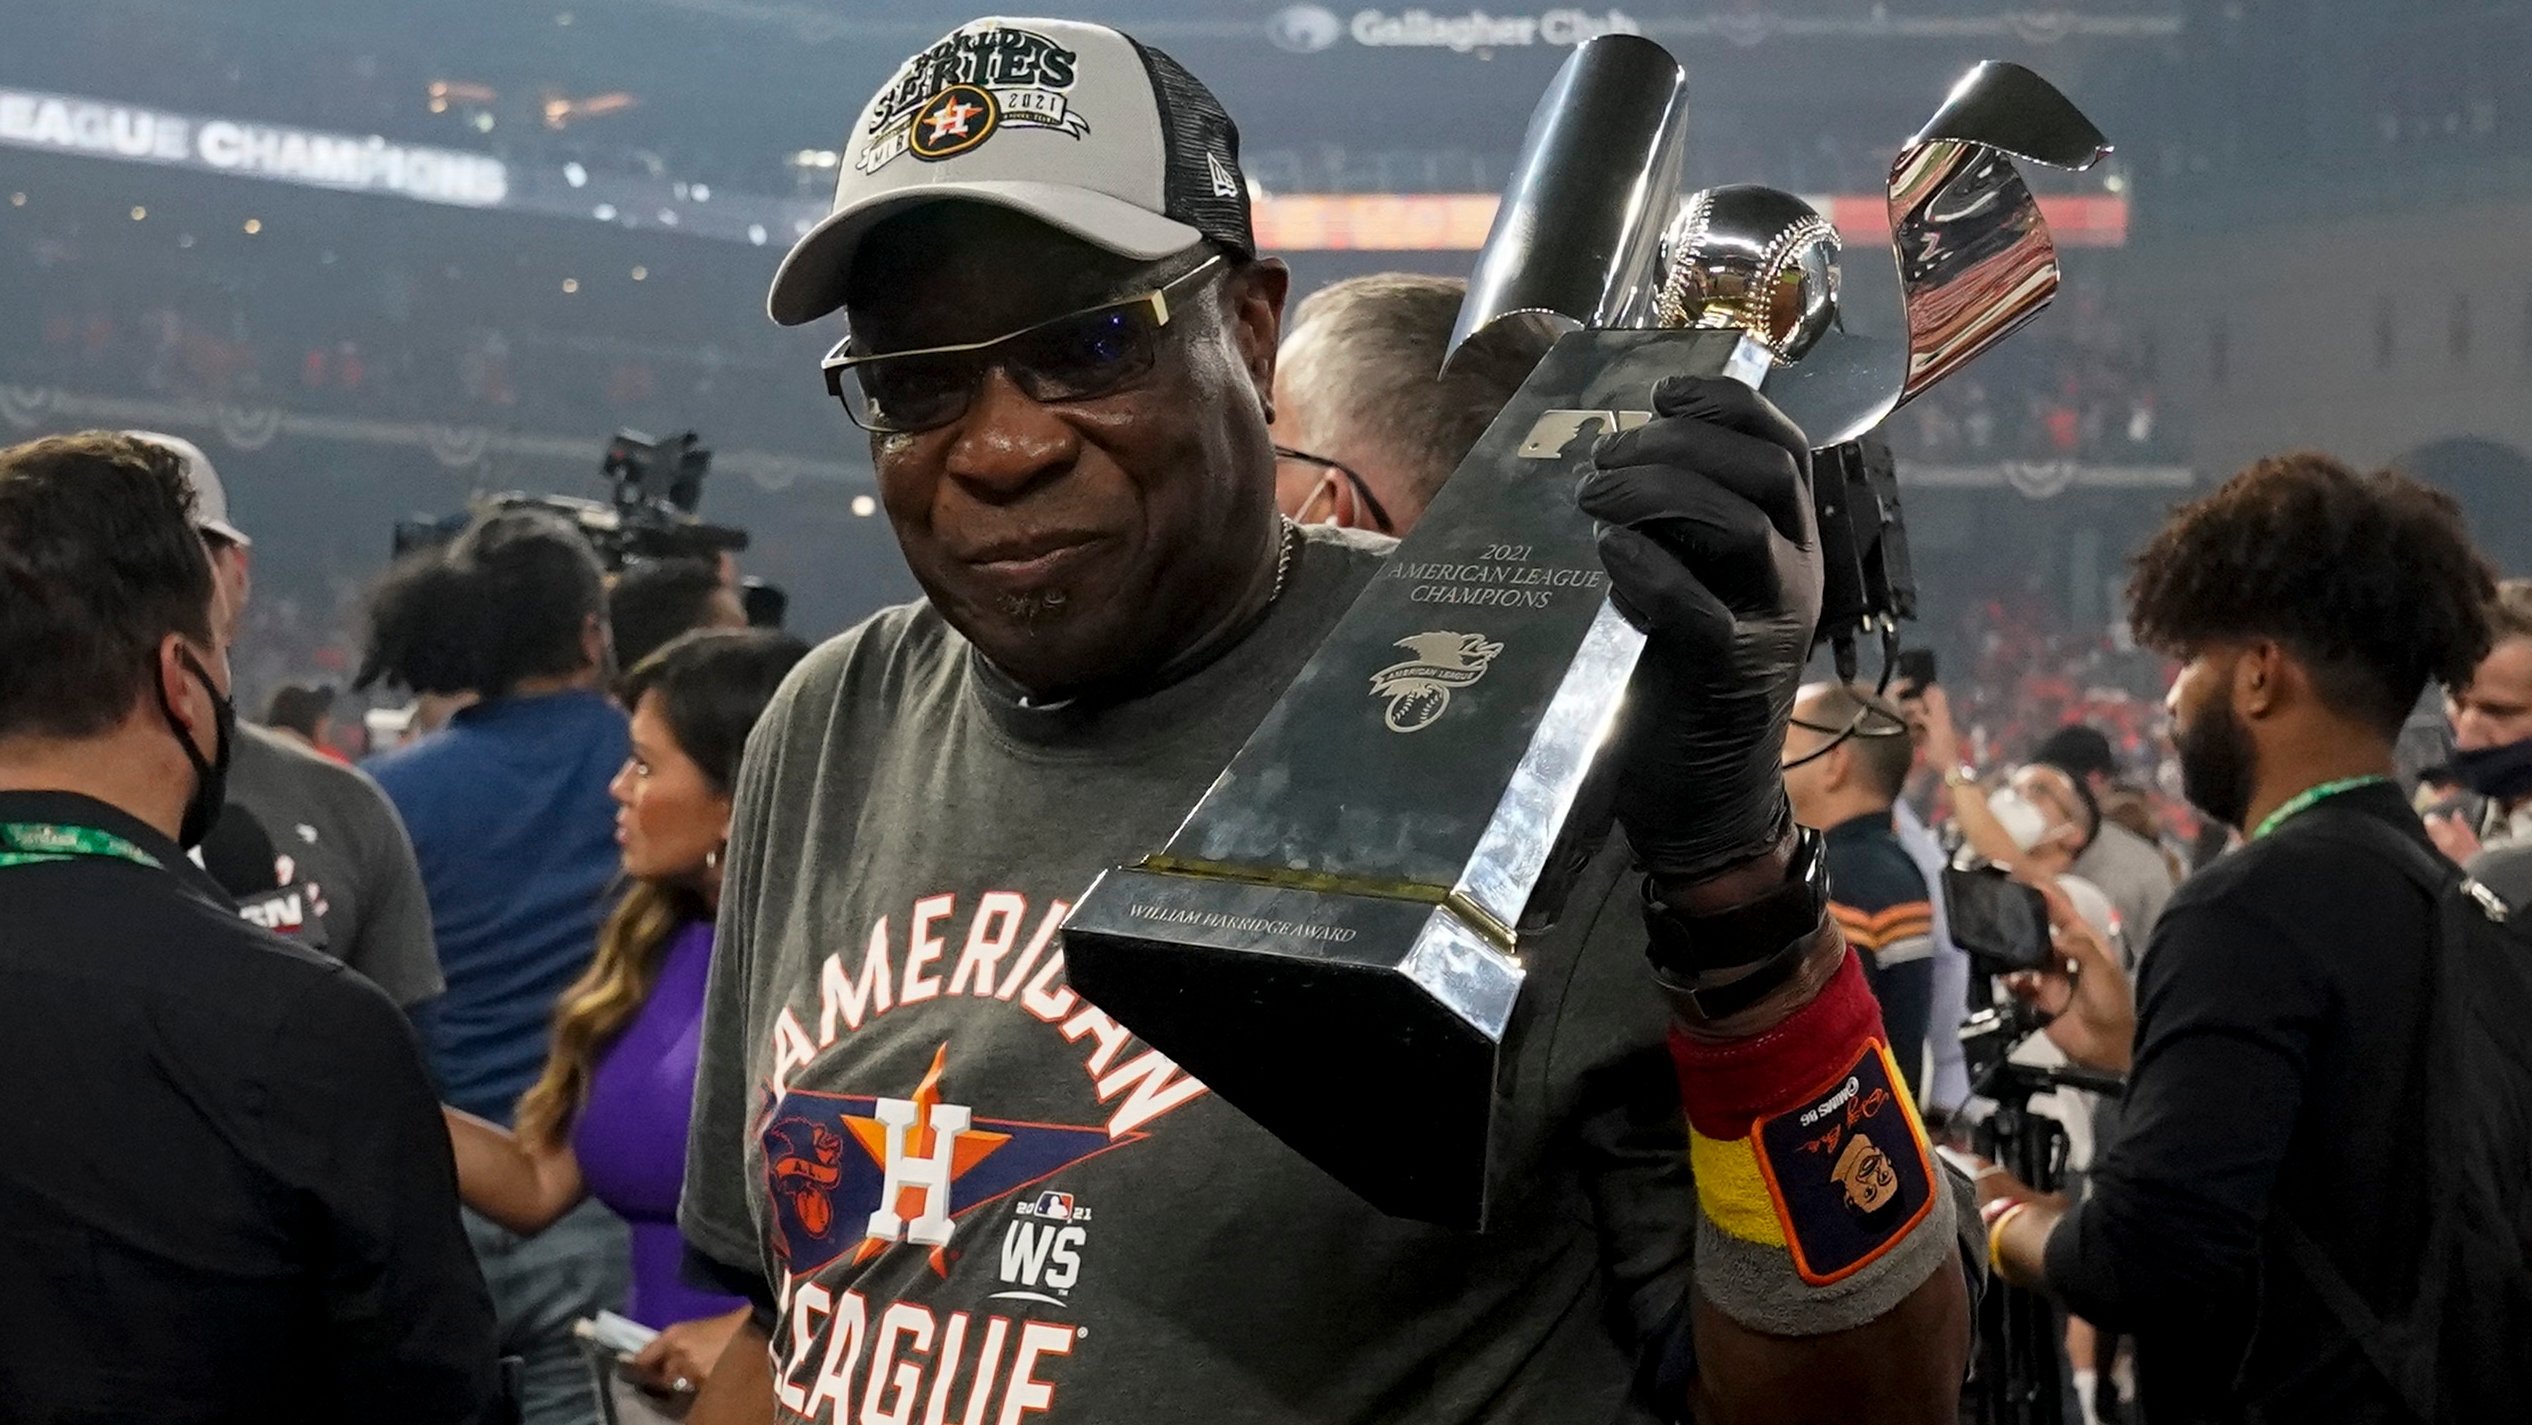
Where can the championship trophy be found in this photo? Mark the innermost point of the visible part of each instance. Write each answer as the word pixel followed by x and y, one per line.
pixel 1345 906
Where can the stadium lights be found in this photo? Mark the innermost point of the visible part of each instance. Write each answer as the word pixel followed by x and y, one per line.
pixel 641 274
pixel 445 92
pixel 139 213
pixel 560 111
pixel 571 284
pixel 254 226
pixel 864 506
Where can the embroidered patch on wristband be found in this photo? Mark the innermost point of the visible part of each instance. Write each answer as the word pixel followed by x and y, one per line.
pixel 1847 1168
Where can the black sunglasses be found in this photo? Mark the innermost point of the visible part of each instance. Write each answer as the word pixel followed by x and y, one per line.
pixel 1074 357
pixel 1362 489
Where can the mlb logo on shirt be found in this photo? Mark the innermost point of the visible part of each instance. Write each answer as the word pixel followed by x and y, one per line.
pixel 1056 1206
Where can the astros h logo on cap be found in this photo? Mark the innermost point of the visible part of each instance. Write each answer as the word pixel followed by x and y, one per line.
pixel 953 121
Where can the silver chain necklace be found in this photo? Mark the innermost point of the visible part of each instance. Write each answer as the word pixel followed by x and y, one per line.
pixel 1283 557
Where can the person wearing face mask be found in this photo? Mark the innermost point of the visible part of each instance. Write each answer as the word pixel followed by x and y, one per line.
pixel 2492 752
pixel 2275 1113
pixel 607 1118
pixel 332 830
pixel 1367 425
pixel 224 1191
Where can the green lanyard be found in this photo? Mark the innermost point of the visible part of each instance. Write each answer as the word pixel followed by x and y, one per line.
pixel 33 843
pixel 2310 797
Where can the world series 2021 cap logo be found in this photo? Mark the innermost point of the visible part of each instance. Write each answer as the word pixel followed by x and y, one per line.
pixel 952 97
pixel 1419 688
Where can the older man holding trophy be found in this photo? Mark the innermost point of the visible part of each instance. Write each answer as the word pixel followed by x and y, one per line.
pixel 1349 1094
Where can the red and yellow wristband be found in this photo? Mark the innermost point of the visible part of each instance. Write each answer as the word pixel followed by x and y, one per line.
pixel 1804 1138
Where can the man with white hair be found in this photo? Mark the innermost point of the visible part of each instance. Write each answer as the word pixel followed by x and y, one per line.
pixel 1367 425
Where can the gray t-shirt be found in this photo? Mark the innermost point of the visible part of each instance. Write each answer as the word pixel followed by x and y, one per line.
pixel 1102 1239
pixel 2134 875
pixel 342 835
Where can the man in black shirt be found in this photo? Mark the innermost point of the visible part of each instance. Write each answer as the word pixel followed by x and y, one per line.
pixel 2276 1079
pixel 225 1190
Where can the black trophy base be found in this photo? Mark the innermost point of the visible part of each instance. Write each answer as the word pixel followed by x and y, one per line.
pixel 1302 1010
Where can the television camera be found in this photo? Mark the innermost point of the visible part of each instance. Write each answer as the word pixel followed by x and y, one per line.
pixel 2003 926
pixel 656 487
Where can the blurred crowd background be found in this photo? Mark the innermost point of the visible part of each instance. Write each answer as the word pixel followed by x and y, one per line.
pixel 351 358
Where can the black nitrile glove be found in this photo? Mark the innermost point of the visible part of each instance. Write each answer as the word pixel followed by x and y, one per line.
pixel 1712 548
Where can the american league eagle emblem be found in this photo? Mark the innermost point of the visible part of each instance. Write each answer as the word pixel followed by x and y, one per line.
pixel 1419 688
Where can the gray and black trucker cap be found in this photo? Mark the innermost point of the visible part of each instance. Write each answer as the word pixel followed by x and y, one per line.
pixel 1075 124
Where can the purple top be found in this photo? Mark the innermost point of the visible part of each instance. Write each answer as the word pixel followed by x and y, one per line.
pixel 631 1139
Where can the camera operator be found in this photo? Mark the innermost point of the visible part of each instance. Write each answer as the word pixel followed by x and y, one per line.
pixel 224 1189
pixel 655 600
pixel 342 837
pixel 515 831
pixel 1366 425
pixel 1113 605
pixel 2278 1078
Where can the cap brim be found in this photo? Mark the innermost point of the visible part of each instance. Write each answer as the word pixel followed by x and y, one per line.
pixel 810 282
pixel 224 530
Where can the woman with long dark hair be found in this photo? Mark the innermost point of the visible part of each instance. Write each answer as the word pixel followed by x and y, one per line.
pixel 608 1116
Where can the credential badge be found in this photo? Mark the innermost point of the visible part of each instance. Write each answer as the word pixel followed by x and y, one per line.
pixel 1419 688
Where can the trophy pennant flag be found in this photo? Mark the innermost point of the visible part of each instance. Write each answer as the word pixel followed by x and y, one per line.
pixel 1341 919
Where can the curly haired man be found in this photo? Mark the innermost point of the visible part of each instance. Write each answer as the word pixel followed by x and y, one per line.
pixel 2276 1077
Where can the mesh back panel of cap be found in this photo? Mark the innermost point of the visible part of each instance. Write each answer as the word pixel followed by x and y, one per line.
pixel 1193 124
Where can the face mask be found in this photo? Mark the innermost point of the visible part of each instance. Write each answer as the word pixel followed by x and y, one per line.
pixel 2217 761
pixel 2022 821
pixel 211 778
pixel 2502 774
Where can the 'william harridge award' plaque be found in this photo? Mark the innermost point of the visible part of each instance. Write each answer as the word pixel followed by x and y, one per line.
pixel 1332 939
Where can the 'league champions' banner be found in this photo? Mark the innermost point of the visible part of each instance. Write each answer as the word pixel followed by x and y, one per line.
pixel 1285 222
pixel 62 124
